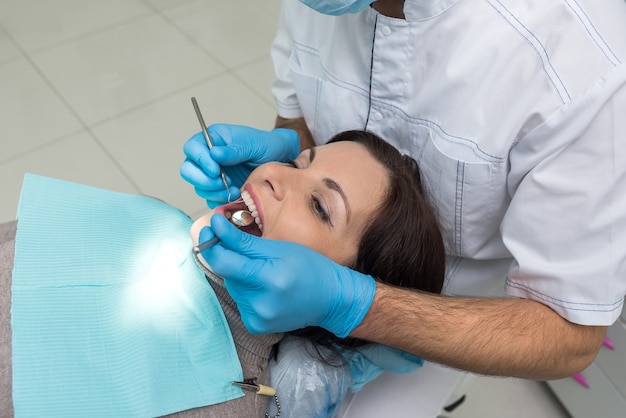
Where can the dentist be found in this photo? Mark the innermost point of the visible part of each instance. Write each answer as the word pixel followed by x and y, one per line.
pixel 514 110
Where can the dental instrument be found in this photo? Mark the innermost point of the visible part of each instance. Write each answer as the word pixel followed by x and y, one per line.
pixel 197 249
pixel 259 389
pixel 239 218
pixel 208 140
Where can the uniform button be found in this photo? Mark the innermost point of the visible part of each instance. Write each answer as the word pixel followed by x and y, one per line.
pixel 378 116
pixel 386 30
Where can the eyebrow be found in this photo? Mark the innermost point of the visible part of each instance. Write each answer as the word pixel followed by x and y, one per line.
pixel 333 185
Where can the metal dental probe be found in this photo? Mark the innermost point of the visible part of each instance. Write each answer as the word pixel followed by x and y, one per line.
pixel 208 140
pixel 239 218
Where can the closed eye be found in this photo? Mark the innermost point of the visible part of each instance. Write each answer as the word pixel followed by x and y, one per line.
pixel 315 202
pixel 318 210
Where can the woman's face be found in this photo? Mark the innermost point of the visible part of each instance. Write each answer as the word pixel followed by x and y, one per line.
pixel 324 200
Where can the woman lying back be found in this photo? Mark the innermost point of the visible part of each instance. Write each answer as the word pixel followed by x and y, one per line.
pixel 358 201
pixel 355 200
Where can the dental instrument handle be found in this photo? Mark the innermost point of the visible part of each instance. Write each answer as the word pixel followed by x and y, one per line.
pixel 208 140
pixel 201 247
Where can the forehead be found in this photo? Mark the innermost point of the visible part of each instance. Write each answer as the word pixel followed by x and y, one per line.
pixel 361 176
pixel 346 151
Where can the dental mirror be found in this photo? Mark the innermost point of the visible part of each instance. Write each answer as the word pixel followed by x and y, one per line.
pixel 241 218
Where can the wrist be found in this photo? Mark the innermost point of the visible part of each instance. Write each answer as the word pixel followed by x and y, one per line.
pixel 353 298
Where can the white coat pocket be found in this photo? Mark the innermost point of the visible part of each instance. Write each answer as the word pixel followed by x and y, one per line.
pixel 468 190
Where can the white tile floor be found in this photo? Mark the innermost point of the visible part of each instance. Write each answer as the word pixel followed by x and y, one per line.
pixel 98 92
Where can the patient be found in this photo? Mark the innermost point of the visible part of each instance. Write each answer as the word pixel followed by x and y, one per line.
pixel 360 203
pixel 355 200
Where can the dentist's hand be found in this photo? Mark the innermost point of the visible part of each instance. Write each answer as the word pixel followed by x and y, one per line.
pixel 281 286
pixel 239 150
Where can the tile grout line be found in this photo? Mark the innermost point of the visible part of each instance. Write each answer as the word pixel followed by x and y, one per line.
pixel 228 69
pixel 67 105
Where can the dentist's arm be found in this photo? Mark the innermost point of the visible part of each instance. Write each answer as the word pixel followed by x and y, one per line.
pixel 280 286
pixel 494 336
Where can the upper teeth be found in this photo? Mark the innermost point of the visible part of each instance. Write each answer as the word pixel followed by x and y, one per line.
pixel 247 199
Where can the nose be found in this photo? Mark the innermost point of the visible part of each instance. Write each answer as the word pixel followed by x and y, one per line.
pixel 280 179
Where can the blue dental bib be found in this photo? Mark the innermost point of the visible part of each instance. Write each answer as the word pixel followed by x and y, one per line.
pixel 111 316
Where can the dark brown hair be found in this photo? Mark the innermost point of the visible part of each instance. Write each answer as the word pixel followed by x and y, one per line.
pixel 402 245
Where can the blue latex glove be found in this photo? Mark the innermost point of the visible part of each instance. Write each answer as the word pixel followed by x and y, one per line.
pixel 281 286
pixel 239 150
pixel 369 361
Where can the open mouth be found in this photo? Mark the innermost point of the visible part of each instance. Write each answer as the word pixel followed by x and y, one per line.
pixel 244 203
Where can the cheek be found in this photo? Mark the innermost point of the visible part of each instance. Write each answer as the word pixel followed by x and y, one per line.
pixel 318 238
pixel 304 232
pixel 301 231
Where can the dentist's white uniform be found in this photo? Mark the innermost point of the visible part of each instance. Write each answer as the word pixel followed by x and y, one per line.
pixel 516 112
